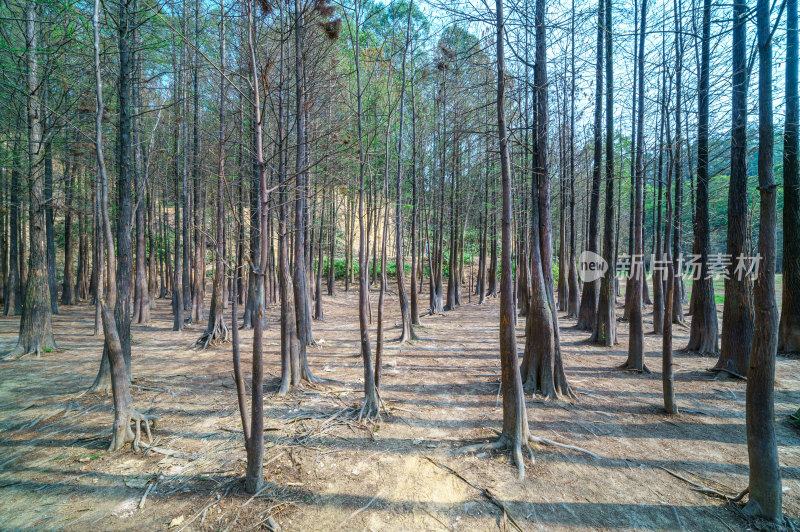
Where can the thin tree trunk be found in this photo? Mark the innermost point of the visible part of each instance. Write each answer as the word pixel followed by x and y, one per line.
pixel 407 330
pixel 605 330
pixel 789 329
pixel 587 315
pixel 13 290
pixel 635 360
pixel 704 329
pixel 217 331
pixel 370 409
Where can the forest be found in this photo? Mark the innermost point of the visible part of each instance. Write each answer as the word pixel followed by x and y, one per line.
pixel 399 265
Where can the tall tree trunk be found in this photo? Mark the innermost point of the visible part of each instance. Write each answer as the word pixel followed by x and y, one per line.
pixel 492 288
pixel 82 281
pixel 635 360
pixel 667 376
pixel 124 413
pixel 542 367
pixel 370 409
pixel 515 432
pixel 407 330
pixel 36 328
pixel 415 258
pixel 48 200
pixel 198 284
pixel 300 277
pixel 319 313
pixel 587 315
pixel 13 290
pixel 68 286
pixel 186 285
pixel 605 330
pixel 254 477
pixel 290 361
pixel 677 147
pixel 574 303
pixel 737 313
pixel 762 448
pixel 789 330
pixel 704 329
pixel 658 260
pixel 626 311
pixel 217 330
pixel 177 279
pixel 141 297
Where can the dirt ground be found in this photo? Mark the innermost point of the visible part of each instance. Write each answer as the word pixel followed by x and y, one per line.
pixel 326 471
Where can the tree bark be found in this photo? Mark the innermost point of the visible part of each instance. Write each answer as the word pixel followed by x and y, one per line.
pixel 36 328
pixel 737 313
pixel 574 303
pixel 704 329
pixel 587 315
pixel 407 330
pixel 635 360
pixel 217 330
pixel 605 330
pixel 13 290
pixel 254 477
pixel 762 449
pixel 68 286
pixel 542 367
pixel 789 329
pixel 515 420
pixel 370 408
pixel 48 201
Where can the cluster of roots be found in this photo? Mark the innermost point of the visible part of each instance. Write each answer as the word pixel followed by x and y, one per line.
pixel 31 346
pixel 516 445
pixel 218 335
pixel 124 432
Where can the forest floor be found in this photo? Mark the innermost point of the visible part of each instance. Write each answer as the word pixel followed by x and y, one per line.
pixel 326 471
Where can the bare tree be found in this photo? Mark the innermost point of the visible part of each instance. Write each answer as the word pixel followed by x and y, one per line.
pixel 762 448
pixel 587 316
pixel 704 329
pixel 635 359
pixel 737 313
pixel 605 330
pixel 124 413
pixel 36 327
pixel 789 330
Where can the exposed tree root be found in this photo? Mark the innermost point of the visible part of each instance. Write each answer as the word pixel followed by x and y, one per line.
pixel 31 347
pixel 627 366
pixel 727 371
pixel 370 410
pixel 407 335
pixel 545 441
pixel 705 490
pixel 123 433
pixel 515 446
pixel 101 388
pixel 218 335
pixel 486 493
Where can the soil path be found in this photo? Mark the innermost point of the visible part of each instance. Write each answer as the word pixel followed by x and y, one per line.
pixel 328 472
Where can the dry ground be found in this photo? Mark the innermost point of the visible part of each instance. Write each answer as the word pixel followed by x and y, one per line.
pixel 328 472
